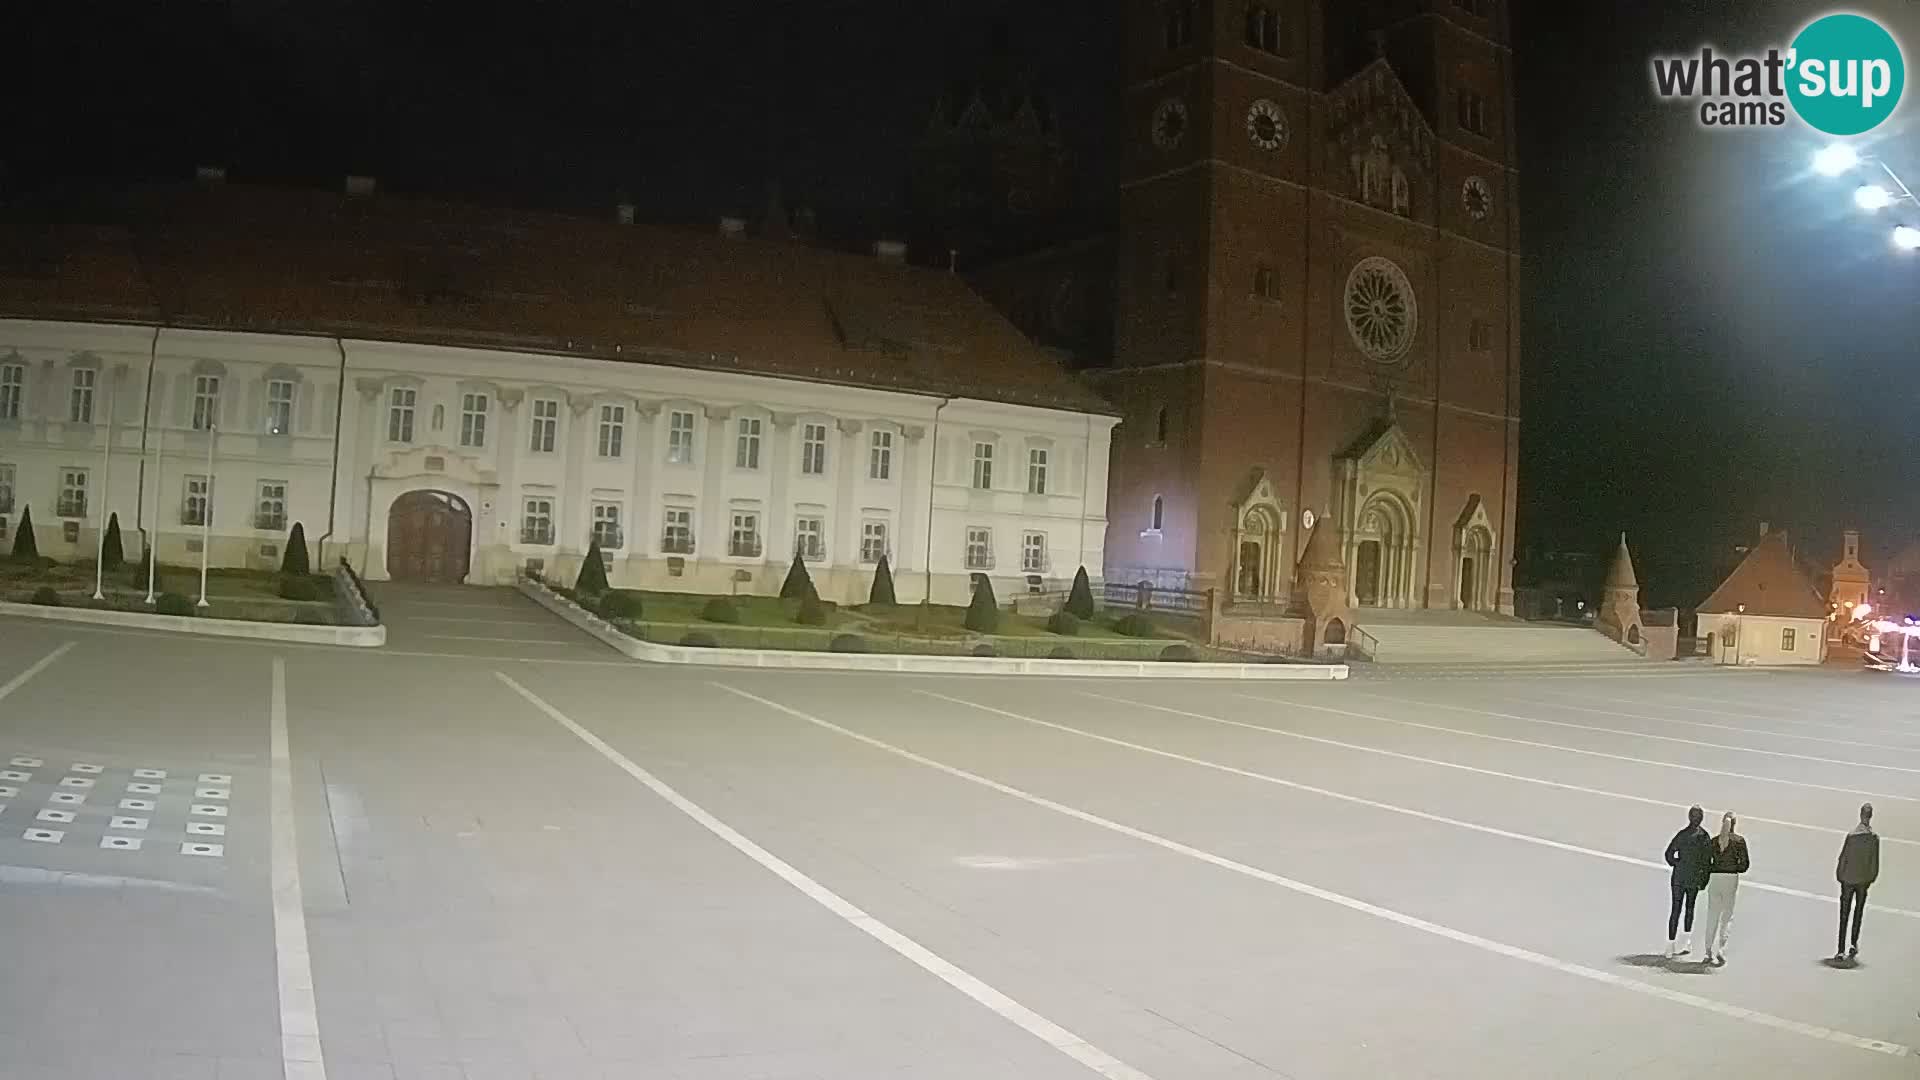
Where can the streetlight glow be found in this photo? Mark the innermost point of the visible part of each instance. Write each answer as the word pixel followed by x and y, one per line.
pixel 1906 238
pixel 1835 159
pixel 1872 197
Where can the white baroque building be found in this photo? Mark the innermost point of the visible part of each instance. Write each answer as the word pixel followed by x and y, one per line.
pixel 703 405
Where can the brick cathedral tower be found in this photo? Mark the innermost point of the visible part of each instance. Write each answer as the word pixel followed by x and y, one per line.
pixel 1316 299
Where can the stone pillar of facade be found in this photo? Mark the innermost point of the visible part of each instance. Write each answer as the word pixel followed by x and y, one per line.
pixel 642 530
pixel 779 546
pixel 715 526
pixel 572 518
pixel 371 534
pixel 1619 616
pixel 846 508
pixel 908 545
pixel 496 551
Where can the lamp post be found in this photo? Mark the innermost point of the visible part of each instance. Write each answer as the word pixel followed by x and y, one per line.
pixel 153 535
pixel 1872 196
pixel 106 488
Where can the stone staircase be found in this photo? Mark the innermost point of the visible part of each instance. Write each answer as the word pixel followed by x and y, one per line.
pixel 1465 637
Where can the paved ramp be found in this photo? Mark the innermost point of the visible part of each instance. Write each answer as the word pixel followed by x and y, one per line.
pixel 1490 642
pixel 470 620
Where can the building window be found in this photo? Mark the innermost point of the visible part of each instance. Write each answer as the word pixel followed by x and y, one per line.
pixel 196 501
pixel 1160 428
pixel 1786 639
pixel 536 522
pixel 979 549
pixel 270 509
pixel 1266 283
pixel 880 456
pixel 279 406
pixel 606 525
pixel 1402 194
pixel 546 425
pixel 677 537
pixel 983 465
pixel 473 420
pixel 1480 335
pixel 873 541
pixel 1177 23
pixel 206 403
pixel 400 405
pixel 1159 512
pixel 13 381
pixel 1473 111
pixel 1263 29
pixel 6 489
pixel 73 493
pixel 80 399
pixel 613 429
pixel 680 439
pixel 746 445
pixel 743 542
pixel 1036 471
pixel 813 449
pixel 1033 553
pixel 810 538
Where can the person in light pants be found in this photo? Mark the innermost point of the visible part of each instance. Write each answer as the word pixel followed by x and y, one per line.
pixel 1730 860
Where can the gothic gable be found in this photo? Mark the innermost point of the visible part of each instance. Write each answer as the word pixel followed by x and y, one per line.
pixel 1384 449
pixel 1381 142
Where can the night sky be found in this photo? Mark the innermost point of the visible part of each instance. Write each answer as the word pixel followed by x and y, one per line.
pixel 1711 335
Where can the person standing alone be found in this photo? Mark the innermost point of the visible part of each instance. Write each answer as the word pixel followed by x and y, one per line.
pixel 1690 853
pixel 1858 867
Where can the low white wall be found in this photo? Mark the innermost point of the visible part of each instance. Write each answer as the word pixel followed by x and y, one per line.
pixel 907 662
pixel 353 636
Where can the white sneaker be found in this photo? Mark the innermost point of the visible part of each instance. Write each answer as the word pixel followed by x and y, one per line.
pixel 1686 944
pixel 1673 949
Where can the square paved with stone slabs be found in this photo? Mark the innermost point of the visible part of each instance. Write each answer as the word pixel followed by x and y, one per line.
pixel 517 865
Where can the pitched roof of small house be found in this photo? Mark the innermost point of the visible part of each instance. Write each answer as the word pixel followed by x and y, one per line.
pixel 1768 583
pixel 402 269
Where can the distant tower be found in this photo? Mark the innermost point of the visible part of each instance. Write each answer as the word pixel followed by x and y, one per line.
pixel 1852 584
pixel 1619 616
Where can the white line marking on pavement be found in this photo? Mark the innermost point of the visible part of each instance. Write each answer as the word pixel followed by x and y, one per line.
pixel 1665 804
pixel 1812 1031
pixel 1391 808
pixel 371 654
pixel 300 1054
pixel 1719 727
pixel 1855 728
pixel 1641 734
pixel 505 640
pixel 1039 1026
pixel 35 668
pixel 1575 750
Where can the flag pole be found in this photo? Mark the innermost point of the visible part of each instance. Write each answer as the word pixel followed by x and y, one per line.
pixel 106 481
pixel 153 534
pixel 206 512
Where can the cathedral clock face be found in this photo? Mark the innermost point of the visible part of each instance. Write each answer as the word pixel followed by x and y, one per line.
pixel 1477 197
pixel 1266 125
pixel 1381 311
pixel 1169 123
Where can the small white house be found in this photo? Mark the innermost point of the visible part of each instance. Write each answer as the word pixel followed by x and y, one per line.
pixel 1766 613
pixel 442 393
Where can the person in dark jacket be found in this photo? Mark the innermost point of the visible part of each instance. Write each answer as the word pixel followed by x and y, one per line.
pixel 1730 860
pixel 1858 867
pixel 1690 853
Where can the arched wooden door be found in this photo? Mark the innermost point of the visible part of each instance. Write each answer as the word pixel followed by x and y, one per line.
pixel 428 536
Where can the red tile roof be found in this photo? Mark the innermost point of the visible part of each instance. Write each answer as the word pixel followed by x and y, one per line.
pixel 1768 583
pixel 381 267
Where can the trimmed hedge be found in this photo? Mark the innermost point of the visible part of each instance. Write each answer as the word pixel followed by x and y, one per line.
pixel 593 572
pixel 812 612
pixel 174 604
pixel 1134 625
pixel 984 649
pixel 983 612
pixel 113 553
pixel 1080 599
pixel 882 590
pixel 720 609
pixel 1064 623
pixel 621 605
pixel 699 639
pixel 1060 652
pixel 1178 654
pixel 23 544
pixel 293 562
pixel 46 597
pixel 799 583
pixel 298 588
pixel 847 643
